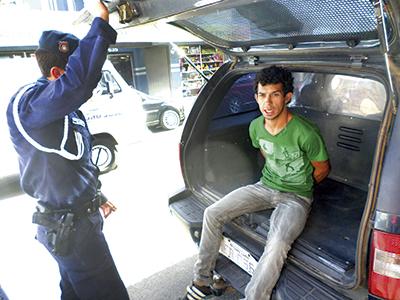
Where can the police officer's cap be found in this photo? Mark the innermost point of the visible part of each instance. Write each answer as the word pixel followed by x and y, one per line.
pixel 58 43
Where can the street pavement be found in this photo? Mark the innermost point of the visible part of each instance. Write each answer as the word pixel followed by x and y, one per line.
pixel 171 283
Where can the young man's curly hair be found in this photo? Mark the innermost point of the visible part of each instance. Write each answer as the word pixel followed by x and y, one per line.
pixel 46 60
pixel 273 75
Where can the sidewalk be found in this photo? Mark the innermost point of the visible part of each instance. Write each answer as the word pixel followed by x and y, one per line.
pixel 163 286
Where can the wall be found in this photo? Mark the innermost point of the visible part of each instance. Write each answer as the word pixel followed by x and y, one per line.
pixel 176 89
pixel 157 62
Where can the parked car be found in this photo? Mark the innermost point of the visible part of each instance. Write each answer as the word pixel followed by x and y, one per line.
pixel 115 107
pixel 345 57
pixel 115 117
pixel 161 113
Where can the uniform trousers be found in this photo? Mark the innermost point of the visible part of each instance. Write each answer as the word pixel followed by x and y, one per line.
pixel 88 272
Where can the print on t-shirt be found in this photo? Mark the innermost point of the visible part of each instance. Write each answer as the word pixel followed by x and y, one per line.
pixel 284 161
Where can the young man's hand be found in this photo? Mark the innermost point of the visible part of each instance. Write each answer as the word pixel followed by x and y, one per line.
pixel 321 170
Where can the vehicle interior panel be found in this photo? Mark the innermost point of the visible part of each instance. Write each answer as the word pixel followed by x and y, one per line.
pixel 338 201
pixel 230 147
pixel 335 209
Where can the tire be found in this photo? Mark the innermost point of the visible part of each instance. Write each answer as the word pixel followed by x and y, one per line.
pixel 169 119
pixel 104 155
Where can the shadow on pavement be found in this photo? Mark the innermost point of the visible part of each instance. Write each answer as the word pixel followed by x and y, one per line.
pixel 170 284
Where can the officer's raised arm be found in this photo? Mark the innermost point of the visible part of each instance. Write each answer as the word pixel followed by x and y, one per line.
pixel 76 79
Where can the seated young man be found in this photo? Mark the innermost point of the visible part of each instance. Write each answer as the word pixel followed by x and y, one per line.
pixel 295 158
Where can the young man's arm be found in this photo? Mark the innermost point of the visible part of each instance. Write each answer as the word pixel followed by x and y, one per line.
pixel 321 170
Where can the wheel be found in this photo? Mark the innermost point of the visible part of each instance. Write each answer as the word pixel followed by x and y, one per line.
pixel 169 119
pixel 104 155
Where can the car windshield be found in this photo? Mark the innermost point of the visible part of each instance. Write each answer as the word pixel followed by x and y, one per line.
pixel 269 22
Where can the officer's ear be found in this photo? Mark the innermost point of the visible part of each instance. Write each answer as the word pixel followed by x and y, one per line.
pixel 55 72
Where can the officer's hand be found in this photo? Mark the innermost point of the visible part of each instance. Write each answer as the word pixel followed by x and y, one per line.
pixel 102 11
pixel 108 208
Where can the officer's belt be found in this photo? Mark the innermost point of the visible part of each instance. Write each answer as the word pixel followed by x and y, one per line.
pixel 84 210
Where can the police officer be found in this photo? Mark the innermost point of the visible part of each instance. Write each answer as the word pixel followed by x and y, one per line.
pixel 53 142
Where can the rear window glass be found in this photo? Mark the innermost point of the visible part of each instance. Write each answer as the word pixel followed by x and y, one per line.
pixel 330 93
pixel 239 98
pixel 322 20
pixel 340 94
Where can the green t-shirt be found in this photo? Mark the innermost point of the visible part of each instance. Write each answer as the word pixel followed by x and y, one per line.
pixel 288 154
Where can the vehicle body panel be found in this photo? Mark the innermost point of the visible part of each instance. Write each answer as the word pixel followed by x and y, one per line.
pixel 117 112
pixel 358 39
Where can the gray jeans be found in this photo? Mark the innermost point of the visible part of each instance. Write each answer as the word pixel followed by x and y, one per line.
pixel 286 223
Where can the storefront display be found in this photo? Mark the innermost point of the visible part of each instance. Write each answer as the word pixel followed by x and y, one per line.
pixel 205 58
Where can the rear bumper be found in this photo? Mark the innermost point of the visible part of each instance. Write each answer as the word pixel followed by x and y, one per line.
pixel 294 283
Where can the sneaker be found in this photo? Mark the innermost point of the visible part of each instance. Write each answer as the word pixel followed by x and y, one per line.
pixel 219 286
pixel 195 292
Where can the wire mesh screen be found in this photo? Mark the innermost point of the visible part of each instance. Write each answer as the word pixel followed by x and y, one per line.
pixel 279 19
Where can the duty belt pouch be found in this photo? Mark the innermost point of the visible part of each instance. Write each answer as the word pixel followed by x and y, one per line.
pixel 59 231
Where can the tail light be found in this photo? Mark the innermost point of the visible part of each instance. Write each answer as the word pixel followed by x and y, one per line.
pixel 384 269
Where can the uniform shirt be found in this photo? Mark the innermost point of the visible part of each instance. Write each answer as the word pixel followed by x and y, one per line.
pixel 48 113
pixel 288 154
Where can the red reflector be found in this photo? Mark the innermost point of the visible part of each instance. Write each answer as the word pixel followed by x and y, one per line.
pixel 384 269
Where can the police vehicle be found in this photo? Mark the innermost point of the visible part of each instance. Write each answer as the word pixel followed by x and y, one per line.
pixel 345 56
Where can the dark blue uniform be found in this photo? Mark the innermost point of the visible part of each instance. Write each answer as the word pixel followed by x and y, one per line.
pixel 3 295
pixel 51 137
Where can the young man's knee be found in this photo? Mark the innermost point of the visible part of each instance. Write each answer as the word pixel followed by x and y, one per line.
pixel 213 215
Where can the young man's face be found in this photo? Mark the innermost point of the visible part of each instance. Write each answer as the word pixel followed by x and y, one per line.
pixel 272 100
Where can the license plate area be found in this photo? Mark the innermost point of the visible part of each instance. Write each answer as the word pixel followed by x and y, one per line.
pixel 238 255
